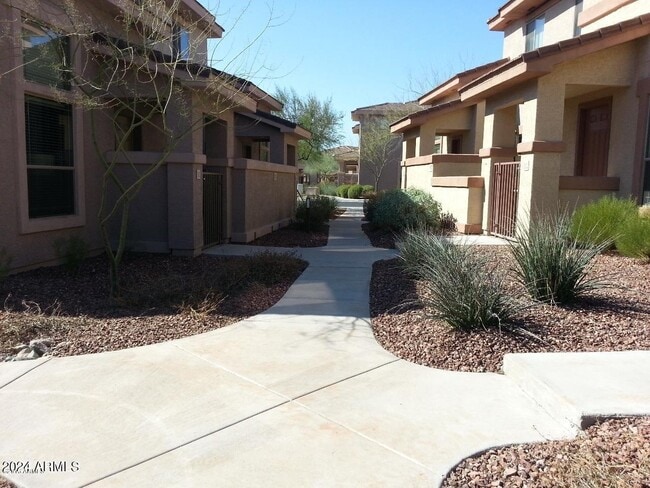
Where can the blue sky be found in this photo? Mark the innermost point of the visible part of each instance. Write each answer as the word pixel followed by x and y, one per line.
pixel 358 52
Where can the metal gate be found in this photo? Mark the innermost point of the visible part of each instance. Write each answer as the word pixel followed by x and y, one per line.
pixel 503 199
pixel 213 206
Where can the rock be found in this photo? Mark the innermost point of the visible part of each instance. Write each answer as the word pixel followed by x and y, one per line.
pixel 509 472
pixel 27 353
pixel 41 346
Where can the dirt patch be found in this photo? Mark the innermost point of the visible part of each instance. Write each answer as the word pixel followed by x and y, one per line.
pixel 165 298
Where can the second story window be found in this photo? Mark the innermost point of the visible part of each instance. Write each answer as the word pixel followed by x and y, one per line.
pixel 46 56
pixel 534 34
pixel 181 43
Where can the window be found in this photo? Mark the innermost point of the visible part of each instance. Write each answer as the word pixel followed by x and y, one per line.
pixel 50 161
pixel 577 30
pixel 265 151
pixel 181 43
pixel 437 145
pixel 129 137
pixel 534 34
pixel 46 56
pixel 645 191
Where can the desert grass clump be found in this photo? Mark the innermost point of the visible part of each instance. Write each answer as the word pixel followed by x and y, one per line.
pixel 552 265
pixel 461 288
pixel 601 221
pixel 634 238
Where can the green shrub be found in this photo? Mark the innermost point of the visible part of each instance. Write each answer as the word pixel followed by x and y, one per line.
pixel 72 251
pixel 5 263
pixel 398 210
pixel 601 221
pixel 321 209
pixel 369 204
pixel 327 188
pixel 461 288
pixel 342 191
pixel 366 189
pixel 634 238
pixel 355 191
pixel 551 264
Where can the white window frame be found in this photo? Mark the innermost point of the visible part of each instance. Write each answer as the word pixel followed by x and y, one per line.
pixel 534 33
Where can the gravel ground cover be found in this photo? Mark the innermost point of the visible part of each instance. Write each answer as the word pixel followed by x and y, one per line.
pixel 612 319
pixel 165 298
pixel 611 454
pixel 293 236
pixel 379 237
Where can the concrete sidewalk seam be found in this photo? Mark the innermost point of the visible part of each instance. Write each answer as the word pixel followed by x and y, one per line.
pixel 45 361
pixel 187 443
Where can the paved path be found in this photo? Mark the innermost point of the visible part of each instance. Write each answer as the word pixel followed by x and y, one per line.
pixel 301 395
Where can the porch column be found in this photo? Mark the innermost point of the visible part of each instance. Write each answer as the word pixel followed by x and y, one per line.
pixel 541 128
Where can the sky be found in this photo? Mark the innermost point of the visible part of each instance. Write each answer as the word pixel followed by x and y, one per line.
pixel 356 52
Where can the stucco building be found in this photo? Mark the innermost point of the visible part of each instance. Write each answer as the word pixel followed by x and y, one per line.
pixel 231 177
pixel 378 116
pixel 561 120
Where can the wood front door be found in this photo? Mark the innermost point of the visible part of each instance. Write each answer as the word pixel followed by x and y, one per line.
pixel 593 138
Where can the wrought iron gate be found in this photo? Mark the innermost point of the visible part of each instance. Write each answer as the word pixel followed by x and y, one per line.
pixel 213 208
pixel 503 200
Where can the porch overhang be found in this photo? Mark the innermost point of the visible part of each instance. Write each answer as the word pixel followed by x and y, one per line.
pixel 418 118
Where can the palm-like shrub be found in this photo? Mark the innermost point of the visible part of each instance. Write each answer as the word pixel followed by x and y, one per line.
pixel 461 287
pixel 553 266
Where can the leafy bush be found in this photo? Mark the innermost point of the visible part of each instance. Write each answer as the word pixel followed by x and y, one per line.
pixel 398 210
pixel 551 264
pixel 327 188
pixel 369 204
pixel 321 209
pixel 342 191
pixel 634 238
pixel 72 251
pixel 366 189
pixel 460 286
pixel 601 221
pixel 355 191
pixel 5 263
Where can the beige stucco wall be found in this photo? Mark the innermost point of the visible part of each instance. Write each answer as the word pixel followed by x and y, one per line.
pixel 572 199
pixel 461 120
pixel 465 204
pixel 622 13
pixel 560 21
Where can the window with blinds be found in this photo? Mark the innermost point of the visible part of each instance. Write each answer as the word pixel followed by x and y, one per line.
pixel 535 34
pixel 46 56
pixel 50 160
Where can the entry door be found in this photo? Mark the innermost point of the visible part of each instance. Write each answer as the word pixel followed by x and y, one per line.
pixel 593 138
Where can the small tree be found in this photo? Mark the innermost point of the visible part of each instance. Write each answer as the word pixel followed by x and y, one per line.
pixel 377 145
pixel 133 73
pixel 324 123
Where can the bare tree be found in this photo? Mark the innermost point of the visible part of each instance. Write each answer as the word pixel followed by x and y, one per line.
pixel 133 72
pixel 377 145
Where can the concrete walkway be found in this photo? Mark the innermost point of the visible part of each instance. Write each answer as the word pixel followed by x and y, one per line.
pixel 301 395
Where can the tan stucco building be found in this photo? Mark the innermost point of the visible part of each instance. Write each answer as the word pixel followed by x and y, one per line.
pixel 561 120
pixel 232 179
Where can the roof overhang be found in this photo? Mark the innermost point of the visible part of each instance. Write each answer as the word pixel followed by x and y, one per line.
pixel 513 10
pixel 285 126
pixel 418 118
pixel 542 61
pixel 459 80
